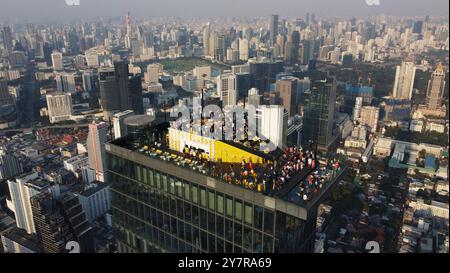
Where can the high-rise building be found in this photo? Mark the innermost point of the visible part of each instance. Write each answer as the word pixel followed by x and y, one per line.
pixel 10 164
pixel 152 74
pixel 57 61
pixel 318 117
pixel 21 190
pixel 108 91
pixel 369 117
pixel 357 108
pixel 243 49
pixel 60 220
pixel 273 28
pixel 206 39
pixel 96 148
pixel 5 96
pixel 59 107
pixel 95 200
pixel 135 98
pixel 404 81
pixel 7 38
pixel 121 73
pixel 177 208
pixel 292 48
pixel 436 86
pixel 115 93
pixel 87 78
pixel 226 88
pixel 66 82
pixel 288 90
pixel 120 129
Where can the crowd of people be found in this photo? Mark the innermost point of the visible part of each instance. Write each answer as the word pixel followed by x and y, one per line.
pixel 268 177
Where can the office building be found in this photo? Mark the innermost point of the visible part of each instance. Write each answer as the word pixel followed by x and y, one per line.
pixel 59 107
pixel 206 38
pixel 10 164
pixel 136 102
pixel 5 96
pixel 108 91
pixel 273 28
pixel 152 74
pixel 87 78
pixel 369 117
pixel 95 200
pixel 288 90
pixel 164 206
pixel 243 49
pixel 57 61
pixel 435 91
pixel 226 88
pixel 17 240
pixel 21 190
pixel 66 82
pixel 357 108
pixel 60 220
pixel 96 148
pixel 120 130
pixel 404 81
pixel 7 38
pixel 318 118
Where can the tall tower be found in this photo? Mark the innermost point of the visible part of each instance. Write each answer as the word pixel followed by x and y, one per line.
pixel 129 27
pixel 435 90
pixel 7 38
pixel 404 81
pixel 273 28
pixel 319 114
pixel 96 148
pixel 206 34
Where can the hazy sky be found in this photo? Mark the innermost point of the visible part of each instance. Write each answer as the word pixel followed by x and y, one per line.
pixel 45 10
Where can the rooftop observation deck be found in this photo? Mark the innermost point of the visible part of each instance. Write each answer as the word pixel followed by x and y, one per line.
pixel 296 176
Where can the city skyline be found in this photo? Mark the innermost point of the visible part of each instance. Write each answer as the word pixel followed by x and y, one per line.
pixel 58 10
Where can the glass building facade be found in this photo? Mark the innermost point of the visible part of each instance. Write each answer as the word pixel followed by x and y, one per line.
pixel 154 210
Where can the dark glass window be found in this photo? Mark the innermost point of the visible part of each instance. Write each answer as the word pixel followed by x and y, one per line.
pixel 268 244
pixel 220 225
pixel 268 221
pixel 211 244
pixel 195 220
pixel 257 242
pixel 220 245
pixel 247 238
pixel 203 219
pixel 204 240
pixel 211 222
pixel 258 217
pixel 229 230
pixel 237 234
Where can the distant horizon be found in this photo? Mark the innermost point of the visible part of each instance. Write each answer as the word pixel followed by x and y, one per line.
pixel 22 11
